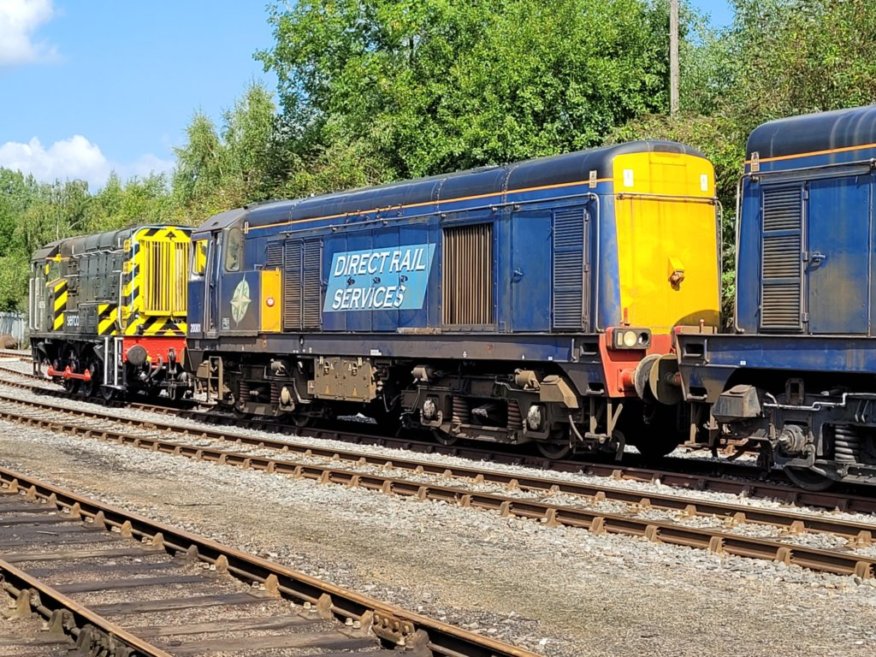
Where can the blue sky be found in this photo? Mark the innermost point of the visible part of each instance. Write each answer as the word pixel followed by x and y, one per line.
pixel 90 86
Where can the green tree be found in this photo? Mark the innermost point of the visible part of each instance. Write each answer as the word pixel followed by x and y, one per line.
pixel 139 200
pixel 248 138
pixel 17 192
pixel 800 56
pixel 425 87
pixel 222 168
pixel 199 166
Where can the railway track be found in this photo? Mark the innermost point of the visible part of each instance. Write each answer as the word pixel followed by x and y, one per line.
pixel 548 500
pixel 117 584
pixel 701 476
pixel 16 353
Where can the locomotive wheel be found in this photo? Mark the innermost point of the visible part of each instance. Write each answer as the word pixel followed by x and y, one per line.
pixel 656 448
pixel 300 420
pixel 107 393
pixel 444 438
pixel 554 450
pixel 92 387
pixel 179 393
pixel 71 385
pixel 808 479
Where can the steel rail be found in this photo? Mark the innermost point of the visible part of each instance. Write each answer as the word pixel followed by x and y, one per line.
pixel 16 353
pixel 390 623
pixel 719 541
pixel 746 487
pixel 862 533
pixel 64 614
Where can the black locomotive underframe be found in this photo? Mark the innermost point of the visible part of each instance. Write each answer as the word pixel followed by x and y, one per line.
pixel 80 352
pixel 467 399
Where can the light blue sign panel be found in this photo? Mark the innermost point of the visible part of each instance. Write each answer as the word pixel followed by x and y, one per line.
pixel 391 278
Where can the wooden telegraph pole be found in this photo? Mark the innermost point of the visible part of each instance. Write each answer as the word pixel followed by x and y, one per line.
pixel 673 57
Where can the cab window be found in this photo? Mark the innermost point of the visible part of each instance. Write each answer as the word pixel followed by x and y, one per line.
pixel 234 250
pixel 199 259
pixel 52 270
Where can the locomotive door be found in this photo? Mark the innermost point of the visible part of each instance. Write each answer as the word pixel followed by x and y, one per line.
pixel 211 303
pixel 836 261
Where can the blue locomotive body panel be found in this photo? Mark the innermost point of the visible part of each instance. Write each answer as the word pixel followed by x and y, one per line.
pixel 376 265
pixel 377 276
pixel 806 226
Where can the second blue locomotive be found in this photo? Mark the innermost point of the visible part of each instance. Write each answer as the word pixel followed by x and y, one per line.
pixel 797 376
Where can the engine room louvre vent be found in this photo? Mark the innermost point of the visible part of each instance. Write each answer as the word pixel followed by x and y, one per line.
pixel 311 293
pixel 292 286
pixel 782 208
pixel 302 291
pixel 274 255
pixel 781 259
pixel 467 275
pixel 568 287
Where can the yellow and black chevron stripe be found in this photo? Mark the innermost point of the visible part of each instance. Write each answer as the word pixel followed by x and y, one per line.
pixel 59 305
pixel 107 314
pixel 156 326
pixel 131 283
pixel 172 233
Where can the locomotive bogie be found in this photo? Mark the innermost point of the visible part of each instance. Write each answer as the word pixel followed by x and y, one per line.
pixel 828 435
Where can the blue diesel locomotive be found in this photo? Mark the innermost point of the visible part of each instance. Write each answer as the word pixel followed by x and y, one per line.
pixel 797 377
pixel 533 302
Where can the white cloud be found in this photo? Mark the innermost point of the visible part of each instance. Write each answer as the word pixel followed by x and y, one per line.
pixel 19 19
pixel 74 158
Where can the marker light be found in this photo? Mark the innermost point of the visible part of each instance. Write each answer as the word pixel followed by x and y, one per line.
pixel 631 338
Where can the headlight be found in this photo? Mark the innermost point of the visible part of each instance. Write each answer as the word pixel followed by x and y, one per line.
pixel 631 338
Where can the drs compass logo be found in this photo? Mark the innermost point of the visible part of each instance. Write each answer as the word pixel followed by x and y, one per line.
pixel 379 279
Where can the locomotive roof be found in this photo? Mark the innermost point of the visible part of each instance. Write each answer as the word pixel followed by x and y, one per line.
pixel 82 243
pixel 69 246
pixel 813 133
pixel 554 170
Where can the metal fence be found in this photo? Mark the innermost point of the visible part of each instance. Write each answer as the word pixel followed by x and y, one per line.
pixel 14 324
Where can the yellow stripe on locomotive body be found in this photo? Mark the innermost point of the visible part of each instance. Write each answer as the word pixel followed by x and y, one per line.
pixel 59 304
pixel 107 319
pixel 667 249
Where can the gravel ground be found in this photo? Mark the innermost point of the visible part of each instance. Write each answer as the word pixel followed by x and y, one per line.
pixel 389 452
pixel 561 592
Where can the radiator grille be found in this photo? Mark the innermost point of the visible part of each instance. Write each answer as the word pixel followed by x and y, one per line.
pixel 781 257
pixel 781 264
pixel 302 285
pixel 165 276
pixel 569 288
pixel 467 275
